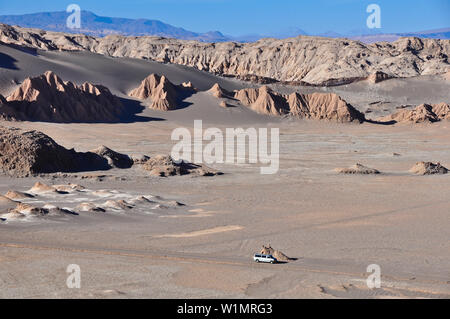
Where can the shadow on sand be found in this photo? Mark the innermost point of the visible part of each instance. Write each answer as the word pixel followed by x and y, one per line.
pixel 133 108
pixel 7 62
pixel 381 123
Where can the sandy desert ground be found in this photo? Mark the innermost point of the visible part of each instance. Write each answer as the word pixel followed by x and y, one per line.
pixel 333 225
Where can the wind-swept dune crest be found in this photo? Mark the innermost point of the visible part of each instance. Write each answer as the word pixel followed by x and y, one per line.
pixel 164 95
pixel 302 60
pixel 48 98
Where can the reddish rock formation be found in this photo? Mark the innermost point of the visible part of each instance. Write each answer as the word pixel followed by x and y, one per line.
pixel 217 91
pixel 318 106
pixel 420 114
pixel 164 95
pixel 47 98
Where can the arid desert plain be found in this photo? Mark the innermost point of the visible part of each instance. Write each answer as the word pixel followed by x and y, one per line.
pixel 135 231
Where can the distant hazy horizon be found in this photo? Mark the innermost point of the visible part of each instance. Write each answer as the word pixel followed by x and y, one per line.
pixel 237 18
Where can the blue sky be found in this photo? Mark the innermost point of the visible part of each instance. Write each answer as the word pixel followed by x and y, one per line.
pixel 238 17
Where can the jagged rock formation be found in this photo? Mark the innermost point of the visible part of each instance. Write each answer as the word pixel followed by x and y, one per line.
pixel 164 95
pixel 317 106
pixel 247 96
pixel 442 111
pixel 48 98
pixel 428 168
pixel 377 77
pixel 6 112
pixel 301 60
pixel 420 114
pixel 357 169
pixel 217 91
pixel 269 102
pixel 164 166
pixel 114 159
pixel 327 106
pixel 263 100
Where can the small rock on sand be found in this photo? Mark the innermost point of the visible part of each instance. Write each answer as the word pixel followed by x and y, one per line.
pixel 428 168
pixel 41 188
pixel 357 169
pixel 11 194
pixel 164 166
pixel 114 159
pixel 90 207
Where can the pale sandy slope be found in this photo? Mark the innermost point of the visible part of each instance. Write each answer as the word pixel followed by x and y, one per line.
pixel 121 75
pixel 336 225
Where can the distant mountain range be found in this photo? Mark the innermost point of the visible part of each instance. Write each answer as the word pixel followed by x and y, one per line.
pixel 92 24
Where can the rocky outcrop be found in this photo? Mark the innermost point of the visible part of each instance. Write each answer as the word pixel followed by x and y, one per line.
pixel 428 168
pixel 420 114
pixel 301 60
pixel 357 169
pixel 442 111
pixel 114 159
pixel 48 98
pixel 377 77
pixel 164 95
pixel 6 112
pixel 324 106
pixel 217 91
pixel 317 106
pixel 26 153
pixel 269 102
pixel 164 166
pixel 247 96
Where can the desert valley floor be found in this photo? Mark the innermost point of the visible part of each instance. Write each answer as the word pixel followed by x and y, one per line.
pixel 333 225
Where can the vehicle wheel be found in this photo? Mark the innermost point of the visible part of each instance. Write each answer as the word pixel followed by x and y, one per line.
pixel 271 262
pixel 257 260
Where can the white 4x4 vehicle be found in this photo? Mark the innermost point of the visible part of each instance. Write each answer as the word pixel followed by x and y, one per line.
pixel 264 258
